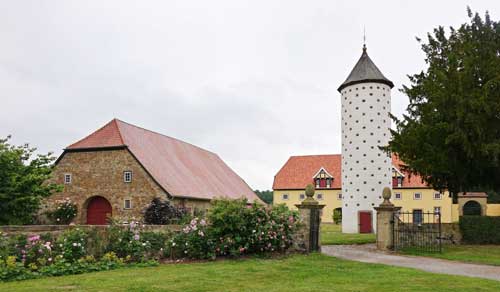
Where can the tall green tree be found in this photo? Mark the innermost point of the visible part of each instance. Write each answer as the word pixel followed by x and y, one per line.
pixel 22 177
pixel 266 196
pixel 450 134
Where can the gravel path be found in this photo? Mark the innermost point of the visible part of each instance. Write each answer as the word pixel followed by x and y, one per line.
pixel 368 253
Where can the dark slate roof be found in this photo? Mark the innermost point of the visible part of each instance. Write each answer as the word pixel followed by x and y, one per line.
pixel 365 71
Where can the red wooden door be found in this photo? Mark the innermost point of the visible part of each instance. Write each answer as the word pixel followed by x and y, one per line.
pixel 98 210
pixel 365 222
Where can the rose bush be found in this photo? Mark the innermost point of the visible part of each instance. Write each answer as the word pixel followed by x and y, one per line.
pixel 65 211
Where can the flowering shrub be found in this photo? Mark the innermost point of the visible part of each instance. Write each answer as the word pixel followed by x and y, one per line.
pixel 237 228
pixel 71 244
pixel 64 212
pixel 194 241
pixel 128 242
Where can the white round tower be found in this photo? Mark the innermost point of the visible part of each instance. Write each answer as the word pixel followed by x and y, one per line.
pixel 366 170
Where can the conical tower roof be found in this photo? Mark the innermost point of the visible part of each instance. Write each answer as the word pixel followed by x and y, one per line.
pixel 365 71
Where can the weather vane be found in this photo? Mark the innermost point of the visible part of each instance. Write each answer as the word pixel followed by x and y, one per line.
pixel 364 38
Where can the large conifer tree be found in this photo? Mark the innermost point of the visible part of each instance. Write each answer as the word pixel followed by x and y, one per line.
pixel 451 132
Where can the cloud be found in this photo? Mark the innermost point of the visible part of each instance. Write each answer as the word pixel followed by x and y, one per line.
pixel 253 81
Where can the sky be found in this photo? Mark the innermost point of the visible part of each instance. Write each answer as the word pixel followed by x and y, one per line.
pixel 253 81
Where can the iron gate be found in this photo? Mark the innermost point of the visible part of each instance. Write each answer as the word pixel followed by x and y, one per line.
pixel 417 231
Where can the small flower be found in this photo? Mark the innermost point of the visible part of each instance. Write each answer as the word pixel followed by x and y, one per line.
pixel 173 243
pixel 74 244
pixel 136 237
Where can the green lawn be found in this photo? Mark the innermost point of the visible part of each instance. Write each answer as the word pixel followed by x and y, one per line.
pixel 481 254
pixel 332 234
pixel 295 273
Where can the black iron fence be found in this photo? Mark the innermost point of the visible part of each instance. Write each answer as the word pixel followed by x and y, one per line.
pixel 417 231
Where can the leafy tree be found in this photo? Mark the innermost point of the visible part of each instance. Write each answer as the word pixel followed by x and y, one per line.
pixel 161 212
pixel 451 132
pixel 266 196
pixel 22 177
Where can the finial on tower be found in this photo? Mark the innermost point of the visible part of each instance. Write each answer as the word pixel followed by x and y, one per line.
pixel 364 39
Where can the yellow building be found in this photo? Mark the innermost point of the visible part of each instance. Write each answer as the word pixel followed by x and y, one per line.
pixel 325 172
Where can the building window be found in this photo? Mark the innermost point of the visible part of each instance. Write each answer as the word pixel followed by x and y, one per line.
pixel 417 196
pixel 437 196
pixel 339 196
pixel 437 210
pixel 67 178
pixel 319 196
pixel 302 196
pixel 127 204
pixel 284 196
pixel 127 176
pixel 397 196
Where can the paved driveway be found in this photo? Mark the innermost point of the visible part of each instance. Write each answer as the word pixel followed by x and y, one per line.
pixel 368 253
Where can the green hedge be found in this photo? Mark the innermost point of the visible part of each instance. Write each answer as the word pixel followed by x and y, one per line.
pixel 480 229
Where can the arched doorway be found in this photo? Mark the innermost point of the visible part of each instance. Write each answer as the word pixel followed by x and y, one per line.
pixel 98 211
pixel 472 208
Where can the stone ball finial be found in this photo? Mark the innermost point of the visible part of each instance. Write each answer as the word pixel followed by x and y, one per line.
pixel 386 193
pixel 310 191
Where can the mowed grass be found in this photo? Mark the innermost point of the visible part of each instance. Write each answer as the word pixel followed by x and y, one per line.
pixel 480 254
pixel 313 272
pixel 331 234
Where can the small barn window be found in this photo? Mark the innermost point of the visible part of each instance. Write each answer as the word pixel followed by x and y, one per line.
pixel 127 176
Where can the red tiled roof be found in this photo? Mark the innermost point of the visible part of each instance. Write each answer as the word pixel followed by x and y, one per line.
pixel 298 171
pixel 182 169
pixel 410 180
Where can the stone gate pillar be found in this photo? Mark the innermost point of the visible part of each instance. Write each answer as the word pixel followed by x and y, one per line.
pixel 310 212
pixel 385 221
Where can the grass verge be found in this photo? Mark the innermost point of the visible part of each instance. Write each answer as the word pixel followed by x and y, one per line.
pixel 313 272
pixel 331 234
pixel 479 254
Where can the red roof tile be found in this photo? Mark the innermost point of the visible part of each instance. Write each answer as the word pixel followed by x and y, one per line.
pixel 410 180
pixel 182 169
pixel 298 171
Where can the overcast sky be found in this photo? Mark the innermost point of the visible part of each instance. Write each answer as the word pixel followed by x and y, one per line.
pixel 253 81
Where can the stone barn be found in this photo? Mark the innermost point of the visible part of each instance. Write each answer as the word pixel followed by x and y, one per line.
pixel 118 169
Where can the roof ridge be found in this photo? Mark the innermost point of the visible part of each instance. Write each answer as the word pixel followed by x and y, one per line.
pixel 309 155
pixel 115 120
pixel 96 131
pixel 166 136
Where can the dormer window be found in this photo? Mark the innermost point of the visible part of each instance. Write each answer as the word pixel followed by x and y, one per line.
pixel 322 179
pixel 127 176
pixel 397 178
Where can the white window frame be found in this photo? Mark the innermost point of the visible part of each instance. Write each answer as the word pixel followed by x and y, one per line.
pixel 125 176
pixel 285 197
pixel 396 197
pixel 66 181
pixel 437 193
pixel 319 197
pixel 125 204
pixel 415 196
pixel 339 196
